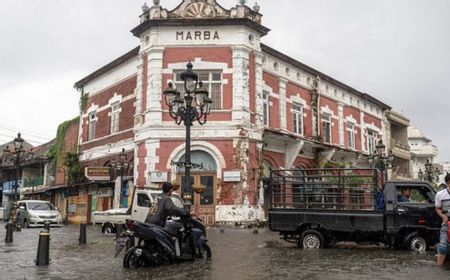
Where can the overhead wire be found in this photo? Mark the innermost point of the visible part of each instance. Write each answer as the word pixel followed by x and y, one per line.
pixel 30 132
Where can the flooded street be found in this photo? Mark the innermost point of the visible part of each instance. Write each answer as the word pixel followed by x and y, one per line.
pixel 237 254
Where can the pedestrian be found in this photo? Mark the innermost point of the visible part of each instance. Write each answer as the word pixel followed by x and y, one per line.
pixel 442 203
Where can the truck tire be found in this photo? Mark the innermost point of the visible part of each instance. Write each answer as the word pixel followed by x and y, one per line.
pixel 311 239
pixel 108 228
pixel 415 242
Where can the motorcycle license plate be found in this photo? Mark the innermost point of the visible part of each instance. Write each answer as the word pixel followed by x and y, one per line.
pixel 120 244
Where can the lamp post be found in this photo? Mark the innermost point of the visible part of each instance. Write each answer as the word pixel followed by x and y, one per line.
pixel 182 109
pixel 17 156
pixel 381 160
pixel 120 166
pixel 429 175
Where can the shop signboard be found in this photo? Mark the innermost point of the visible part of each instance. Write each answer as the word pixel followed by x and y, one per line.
pixel 97 173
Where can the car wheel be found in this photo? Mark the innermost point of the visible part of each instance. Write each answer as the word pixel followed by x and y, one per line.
pixel 415 243
pixel 108 228
pixel 311 239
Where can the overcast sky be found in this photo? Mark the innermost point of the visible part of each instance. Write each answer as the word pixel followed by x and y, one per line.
pixel 397 51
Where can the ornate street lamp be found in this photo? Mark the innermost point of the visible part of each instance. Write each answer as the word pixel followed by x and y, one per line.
pixel 430 174
pixel 16 157
pixel 381 160
pixel 182 109
pixel 420 174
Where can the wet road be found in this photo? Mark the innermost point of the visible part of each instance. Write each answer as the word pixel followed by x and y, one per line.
pixel 237 254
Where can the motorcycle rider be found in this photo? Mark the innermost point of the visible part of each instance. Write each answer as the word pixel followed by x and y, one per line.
pixel 442 203
pixel 164 208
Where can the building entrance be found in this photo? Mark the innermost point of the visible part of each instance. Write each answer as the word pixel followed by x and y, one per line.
pixel 203 173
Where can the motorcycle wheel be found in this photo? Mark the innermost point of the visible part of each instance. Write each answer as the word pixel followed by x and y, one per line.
pixel 131 260
pixel 204 252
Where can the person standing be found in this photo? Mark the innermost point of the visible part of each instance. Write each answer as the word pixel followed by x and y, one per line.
pixel 442 203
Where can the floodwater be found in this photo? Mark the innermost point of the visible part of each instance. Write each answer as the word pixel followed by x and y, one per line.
pixel 237 254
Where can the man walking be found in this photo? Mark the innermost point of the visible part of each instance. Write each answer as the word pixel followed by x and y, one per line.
pixel 442 203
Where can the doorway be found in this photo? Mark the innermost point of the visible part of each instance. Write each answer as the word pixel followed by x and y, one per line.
pixel 204 204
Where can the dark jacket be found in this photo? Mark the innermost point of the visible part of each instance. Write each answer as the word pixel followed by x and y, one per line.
pixel 164 209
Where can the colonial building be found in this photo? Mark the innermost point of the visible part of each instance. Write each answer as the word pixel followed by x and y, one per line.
pixel 422 151
pixel 269 110
pixel 397 130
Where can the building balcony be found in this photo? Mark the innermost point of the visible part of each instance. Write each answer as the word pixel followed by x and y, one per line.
pixel 33 182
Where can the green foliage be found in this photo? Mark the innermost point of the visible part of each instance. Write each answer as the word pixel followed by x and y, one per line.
pixel 83 101
pixel 56 151
pixel 74 170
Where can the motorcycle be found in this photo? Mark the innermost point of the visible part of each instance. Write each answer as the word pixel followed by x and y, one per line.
pixel 181 240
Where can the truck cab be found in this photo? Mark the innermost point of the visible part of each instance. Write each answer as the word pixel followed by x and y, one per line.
pixel 143 200
pixel 411 220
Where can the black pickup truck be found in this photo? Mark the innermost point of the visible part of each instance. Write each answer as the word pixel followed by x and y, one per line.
pixel 319 207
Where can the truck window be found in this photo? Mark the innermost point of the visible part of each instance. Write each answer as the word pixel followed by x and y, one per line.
pixel 414 194
pixel 143 200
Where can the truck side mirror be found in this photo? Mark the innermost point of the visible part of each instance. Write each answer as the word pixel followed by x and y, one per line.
pixel 22 207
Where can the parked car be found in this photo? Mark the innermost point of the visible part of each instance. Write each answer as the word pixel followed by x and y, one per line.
pixel 142 201
pixel 36 212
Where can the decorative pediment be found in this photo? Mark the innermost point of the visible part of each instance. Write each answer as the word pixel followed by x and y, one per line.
pixel 199 9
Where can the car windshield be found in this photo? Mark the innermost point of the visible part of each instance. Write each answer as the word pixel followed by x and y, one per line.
pixel 40 206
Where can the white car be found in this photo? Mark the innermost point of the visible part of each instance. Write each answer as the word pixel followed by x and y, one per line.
pixel 36 212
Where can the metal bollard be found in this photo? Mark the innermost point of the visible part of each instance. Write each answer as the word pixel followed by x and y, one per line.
pixel 47 226
pixel 119 229
pixel 9 232
pixel 130 242
pixel 82 238
pixel 43 251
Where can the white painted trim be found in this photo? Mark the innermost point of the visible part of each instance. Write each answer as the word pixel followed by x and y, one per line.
pixel 371 126
pixel 198 64
pixel 209 148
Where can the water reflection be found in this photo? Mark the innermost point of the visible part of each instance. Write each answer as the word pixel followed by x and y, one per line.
pixel 237 254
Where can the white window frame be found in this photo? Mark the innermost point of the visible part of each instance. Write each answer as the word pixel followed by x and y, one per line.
pixel 92 123
pixel 371 141
pixel 326 121
pixel 297 117
pixel 351 135
pixel 217 97
pixel 115 117
pixel 265 107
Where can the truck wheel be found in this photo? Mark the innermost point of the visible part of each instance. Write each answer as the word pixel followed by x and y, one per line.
pixel 108 228
pixel 311 239
pixel 415 242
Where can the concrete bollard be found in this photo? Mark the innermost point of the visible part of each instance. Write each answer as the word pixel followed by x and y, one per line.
pixel 222 230
pixel 130 242
pixel 47 226
pixel 43 251
pixel 9 232
pixel 82 238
